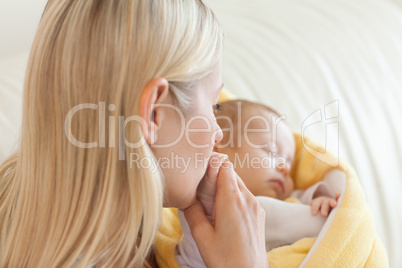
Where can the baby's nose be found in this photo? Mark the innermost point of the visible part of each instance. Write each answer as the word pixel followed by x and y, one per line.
pixel 284 168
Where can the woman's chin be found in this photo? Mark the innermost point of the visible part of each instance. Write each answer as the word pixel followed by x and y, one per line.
pixel 182 202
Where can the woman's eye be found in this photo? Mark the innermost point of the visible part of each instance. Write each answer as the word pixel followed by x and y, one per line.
pixel 217 107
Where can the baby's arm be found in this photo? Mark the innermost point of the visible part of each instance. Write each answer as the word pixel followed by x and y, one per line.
pixel 187 253
pixel 281 229
pixel 286 223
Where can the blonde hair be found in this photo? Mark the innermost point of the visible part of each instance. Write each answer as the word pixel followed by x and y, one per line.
pixel 66 206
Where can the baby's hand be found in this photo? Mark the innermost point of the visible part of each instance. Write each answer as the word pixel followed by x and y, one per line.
pixel 325 203
pixel 206 190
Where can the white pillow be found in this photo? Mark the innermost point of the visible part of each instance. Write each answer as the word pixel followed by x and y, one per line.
pixel 12 72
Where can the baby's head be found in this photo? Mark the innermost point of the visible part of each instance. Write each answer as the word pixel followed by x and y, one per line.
pixel 260 146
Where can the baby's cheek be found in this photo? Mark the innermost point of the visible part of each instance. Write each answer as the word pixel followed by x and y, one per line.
pixel 255 180
pixel 248 181
pixel 289 188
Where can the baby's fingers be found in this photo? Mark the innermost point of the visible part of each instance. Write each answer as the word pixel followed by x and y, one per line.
pixel 214 165
pixel 325 207
pixel 333 203
pixel 207 186
pixel 315 206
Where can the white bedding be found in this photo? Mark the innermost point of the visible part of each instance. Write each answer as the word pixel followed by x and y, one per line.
pixel 301 56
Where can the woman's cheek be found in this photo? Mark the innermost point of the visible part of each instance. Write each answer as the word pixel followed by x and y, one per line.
pixel 197 129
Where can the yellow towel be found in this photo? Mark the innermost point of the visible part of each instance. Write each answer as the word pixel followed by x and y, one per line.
pixel 350 240
pixel 167 238
pixel 225 95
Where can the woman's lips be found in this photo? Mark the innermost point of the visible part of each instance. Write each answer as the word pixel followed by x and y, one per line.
pixel 279 184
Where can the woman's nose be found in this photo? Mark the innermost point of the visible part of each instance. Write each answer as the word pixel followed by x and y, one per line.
pixel 218 135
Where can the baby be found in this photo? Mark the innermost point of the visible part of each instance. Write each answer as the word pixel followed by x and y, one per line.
pixel 262 149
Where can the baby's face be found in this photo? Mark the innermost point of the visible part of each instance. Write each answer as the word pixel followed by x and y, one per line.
pixel 263 159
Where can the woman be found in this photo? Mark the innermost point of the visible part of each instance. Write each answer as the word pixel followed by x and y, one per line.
pixel 110 88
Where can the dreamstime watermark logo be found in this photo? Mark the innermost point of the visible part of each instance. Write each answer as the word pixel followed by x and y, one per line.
pixel 190 129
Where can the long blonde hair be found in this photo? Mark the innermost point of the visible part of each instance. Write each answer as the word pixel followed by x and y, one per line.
pixel 63 205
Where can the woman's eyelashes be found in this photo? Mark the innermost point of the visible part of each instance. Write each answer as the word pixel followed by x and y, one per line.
pixel 217 107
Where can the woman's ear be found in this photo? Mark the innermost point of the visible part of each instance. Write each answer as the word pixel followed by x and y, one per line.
pixel 154 93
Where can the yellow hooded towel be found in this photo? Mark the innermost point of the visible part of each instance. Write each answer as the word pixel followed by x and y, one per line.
pixel 347 239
